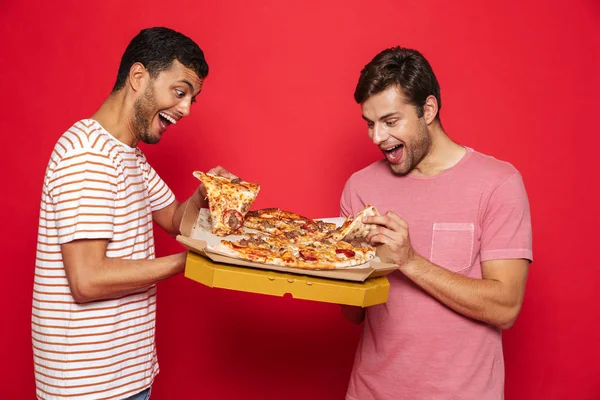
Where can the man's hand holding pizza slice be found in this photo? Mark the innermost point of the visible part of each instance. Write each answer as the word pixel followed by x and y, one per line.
pixel 391 232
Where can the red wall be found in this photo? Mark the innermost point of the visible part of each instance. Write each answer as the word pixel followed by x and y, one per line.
pixel 518 82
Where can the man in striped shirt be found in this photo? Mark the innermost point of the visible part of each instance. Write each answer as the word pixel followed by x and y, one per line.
pixel 94 296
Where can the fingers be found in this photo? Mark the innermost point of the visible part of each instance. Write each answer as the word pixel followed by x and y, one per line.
pixel 378 239
pixel 383 235
pixel 201 190
pixel 391 230
pixel 391 234
pixel 390 220
pixel 220 171
pixel 393 216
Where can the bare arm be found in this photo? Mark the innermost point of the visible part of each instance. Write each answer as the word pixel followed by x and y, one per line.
pixel 495 299
pixel 169 218
pixel 93 276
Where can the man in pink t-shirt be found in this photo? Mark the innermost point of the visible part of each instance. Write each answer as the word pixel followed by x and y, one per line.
pixel 457 224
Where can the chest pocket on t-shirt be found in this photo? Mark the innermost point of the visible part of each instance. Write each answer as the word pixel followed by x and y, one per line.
pixel 452 245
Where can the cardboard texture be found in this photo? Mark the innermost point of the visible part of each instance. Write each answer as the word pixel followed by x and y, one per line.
pixel 215 275
pixel 363 286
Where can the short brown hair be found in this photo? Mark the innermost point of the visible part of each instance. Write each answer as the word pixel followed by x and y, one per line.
pixel 404 68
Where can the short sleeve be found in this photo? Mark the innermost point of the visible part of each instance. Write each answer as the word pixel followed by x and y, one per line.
pixel 160 194
pixel 506 227
pixel 83 192
pixel 349 201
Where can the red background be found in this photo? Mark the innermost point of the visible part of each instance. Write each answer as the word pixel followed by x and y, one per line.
pixel 518 82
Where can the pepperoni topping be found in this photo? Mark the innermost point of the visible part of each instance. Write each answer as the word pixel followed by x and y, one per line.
pixel 292 234
pixel 233 219
pixel 348 253
pixel 310 227
pixel 307 255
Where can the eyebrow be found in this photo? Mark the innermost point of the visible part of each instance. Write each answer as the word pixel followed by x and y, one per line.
pixel 189 84
pixel 383 117
pixel 191 88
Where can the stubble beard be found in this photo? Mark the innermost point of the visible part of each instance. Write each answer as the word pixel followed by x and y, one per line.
pixel 413 152
pixel 143 111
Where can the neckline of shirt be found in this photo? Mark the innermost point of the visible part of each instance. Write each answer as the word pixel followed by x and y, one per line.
pixel 445 172
pixel 105 132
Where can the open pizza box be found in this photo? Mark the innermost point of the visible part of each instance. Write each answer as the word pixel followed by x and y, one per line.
pixel 361 285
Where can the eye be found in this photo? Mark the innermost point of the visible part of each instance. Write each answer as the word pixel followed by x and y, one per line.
pixel 179 93
pixel 390 123
pixel 370 124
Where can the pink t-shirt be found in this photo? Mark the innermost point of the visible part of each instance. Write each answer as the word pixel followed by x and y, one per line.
pixel 414 347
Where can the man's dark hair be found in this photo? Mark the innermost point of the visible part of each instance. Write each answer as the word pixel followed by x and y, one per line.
pixel 404 68
pixel 157 48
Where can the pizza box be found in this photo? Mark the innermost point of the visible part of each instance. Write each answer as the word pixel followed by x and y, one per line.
pixel 359 286
pixel 218 275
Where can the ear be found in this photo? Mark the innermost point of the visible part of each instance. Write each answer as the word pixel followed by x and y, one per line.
pixel 430 109
pixel 138 76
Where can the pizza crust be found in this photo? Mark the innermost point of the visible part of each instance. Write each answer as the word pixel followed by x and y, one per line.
pixel 354 229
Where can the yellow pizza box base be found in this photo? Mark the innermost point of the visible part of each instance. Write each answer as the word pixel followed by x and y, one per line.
pixel 216 275
pixel 356 274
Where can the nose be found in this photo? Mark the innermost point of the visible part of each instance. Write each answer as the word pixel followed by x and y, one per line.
pixel 379 134
pixel 184 106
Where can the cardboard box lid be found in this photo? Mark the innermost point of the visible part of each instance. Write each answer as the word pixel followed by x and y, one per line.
pixel 371 292
pixel 356 274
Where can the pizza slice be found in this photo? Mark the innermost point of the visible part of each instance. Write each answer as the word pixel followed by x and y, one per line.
pixel 272 220
pixel 354 229
pixel 229 200
pixel 279 250
pixel 280 222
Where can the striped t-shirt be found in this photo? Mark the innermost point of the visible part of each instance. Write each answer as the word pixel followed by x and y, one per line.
pixel 95 187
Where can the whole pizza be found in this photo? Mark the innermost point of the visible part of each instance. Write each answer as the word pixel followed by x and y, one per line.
pixel 279 237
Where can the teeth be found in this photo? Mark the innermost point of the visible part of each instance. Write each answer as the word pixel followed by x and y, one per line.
pixel 168 118
pixel 392 148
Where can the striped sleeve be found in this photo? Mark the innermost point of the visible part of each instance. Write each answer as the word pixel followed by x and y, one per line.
pixel 83 192
pixel 160 194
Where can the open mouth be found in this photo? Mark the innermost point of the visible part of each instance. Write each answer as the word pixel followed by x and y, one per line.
pixel 166 120
pixel 393 154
